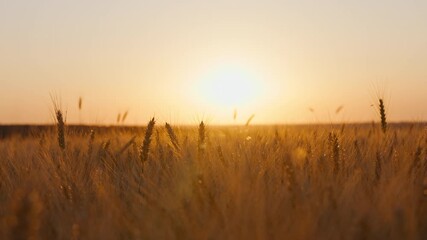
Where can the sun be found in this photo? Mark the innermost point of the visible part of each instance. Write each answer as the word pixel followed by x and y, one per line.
pixel 230 86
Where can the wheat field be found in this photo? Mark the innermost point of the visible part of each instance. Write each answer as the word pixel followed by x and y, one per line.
pixel 209 182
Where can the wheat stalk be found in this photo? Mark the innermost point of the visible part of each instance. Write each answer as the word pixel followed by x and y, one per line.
pixel 90 144
pixel 383 116
pixel 126 146
pixel 172 136
pixel 335 151
pixel 249 120
pixel 60 128
pixel 202 137
pixel 60 123
pixel 221 154
pixel 378 166
pixel 145 148
pixel 80 103
pixel 125 115
pixel 119 117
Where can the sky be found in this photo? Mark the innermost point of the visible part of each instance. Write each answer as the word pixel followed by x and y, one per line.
pixel 186 61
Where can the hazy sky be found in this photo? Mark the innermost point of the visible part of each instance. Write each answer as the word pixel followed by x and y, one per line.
pixel 175 59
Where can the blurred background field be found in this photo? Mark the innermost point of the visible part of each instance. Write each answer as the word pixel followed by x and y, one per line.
pixel 214 182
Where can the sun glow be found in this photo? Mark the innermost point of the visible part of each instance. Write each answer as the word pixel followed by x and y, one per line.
pixel 230 86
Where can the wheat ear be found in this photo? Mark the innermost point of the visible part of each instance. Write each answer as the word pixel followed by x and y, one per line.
pixel 145 148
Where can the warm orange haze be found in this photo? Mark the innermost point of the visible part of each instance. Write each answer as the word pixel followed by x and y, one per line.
pixel 186 60
pixel 213 119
